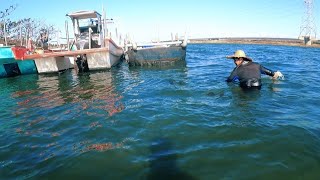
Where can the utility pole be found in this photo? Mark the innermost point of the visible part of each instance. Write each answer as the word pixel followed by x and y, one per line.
pixel 308 27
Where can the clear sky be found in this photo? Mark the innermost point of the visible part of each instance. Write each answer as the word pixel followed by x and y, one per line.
pixel 147 20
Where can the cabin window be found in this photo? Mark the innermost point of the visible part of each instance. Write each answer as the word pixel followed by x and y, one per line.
pixel 91 23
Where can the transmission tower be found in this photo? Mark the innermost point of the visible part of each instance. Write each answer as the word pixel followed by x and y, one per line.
pixel 308 27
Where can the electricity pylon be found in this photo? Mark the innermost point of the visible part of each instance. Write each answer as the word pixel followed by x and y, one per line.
pixel 308 27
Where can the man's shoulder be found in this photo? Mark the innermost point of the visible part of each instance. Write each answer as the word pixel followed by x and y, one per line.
pixel 251 63
pixel 254 63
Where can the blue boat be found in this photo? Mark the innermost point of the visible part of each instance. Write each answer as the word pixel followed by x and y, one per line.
pixel 156 53
pixel 9 66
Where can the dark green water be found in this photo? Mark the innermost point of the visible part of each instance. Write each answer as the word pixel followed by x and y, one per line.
pixel 179 122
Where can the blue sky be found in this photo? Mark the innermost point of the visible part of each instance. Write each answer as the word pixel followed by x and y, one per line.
pixel 147 20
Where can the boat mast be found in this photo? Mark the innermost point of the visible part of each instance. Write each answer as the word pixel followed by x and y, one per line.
pixel 103 27
pixel 5 33
pixel 67 34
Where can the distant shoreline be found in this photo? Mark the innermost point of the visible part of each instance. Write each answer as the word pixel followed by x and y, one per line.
pixel 268 41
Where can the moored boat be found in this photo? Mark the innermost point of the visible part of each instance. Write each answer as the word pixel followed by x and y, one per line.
pixel 156 53
pixel 94 50
pixel 90 31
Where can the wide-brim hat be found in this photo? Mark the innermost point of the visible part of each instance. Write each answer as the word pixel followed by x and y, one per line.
pixel 239 54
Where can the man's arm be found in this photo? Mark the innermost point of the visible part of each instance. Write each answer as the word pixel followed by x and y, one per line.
pixel 233 76
pixel 266 71
pixel 274 74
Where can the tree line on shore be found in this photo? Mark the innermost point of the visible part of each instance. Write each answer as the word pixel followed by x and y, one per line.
pixel 18 32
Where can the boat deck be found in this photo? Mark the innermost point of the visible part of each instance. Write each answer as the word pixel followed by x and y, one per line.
pixel 62 53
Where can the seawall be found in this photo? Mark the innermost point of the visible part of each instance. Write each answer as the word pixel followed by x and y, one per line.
pixel 270 41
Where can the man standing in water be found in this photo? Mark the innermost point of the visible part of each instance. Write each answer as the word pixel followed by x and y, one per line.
pixel 248 73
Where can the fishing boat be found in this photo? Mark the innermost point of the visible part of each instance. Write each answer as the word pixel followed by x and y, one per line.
pixel 90 32
pixel 94 49
pixel 10 67
pixel 156 53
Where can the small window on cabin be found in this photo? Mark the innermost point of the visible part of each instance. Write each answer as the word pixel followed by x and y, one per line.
pixel 95 29
pixel 89 23
pixel 84 29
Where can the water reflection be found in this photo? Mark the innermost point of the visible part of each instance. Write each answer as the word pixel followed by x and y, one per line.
pixel 243 105
pixel 65 97
pixel 156 68
pixel 163 161
pixel 175 75
pixel 89 89
pixel 161 66
pixel 241 95
pixel 275 86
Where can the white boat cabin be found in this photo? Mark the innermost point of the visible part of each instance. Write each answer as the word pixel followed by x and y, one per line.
pixel 88 25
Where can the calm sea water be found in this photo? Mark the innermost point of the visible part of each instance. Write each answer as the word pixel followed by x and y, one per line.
pixel 183 121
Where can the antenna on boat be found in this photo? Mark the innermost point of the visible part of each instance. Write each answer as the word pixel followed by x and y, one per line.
pixel 67 34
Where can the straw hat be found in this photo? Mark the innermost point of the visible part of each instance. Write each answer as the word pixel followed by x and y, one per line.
pixel 239 54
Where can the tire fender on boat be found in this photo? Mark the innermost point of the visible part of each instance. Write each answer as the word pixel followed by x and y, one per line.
pixel 126 57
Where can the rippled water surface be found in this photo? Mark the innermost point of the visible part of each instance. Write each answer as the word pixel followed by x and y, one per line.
pixel 183 121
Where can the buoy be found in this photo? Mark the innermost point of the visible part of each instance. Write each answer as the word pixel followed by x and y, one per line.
pixel 184 43
pixel 134 46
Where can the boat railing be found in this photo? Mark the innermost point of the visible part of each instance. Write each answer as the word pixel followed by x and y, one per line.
pixel 154 44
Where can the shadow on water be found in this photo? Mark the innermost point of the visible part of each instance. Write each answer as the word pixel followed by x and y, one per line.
pixel 163 161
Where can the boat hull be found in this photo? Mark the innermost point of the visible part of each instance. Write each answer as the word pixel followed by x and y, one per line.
pixel 156 55
pixel 105 59
pixel 9 66
pixel 94 59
